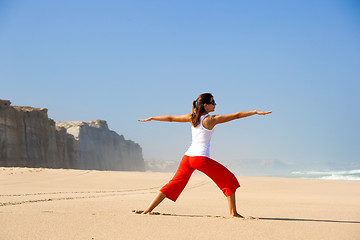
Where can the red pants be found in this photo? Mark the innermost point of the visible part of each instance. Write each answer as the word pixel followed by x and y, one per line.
pixel 222 177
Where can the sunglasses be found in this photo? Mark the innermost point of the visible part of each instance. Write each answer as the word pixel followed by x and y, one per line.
pixel 212 102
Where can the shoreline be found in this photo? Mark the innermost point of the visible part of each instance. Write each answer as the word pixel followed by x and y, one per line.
pixel 320 175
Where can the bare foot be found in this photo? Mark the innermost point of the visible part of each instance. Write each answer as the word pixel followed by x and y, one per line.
pixel 236 215
pixel 145 212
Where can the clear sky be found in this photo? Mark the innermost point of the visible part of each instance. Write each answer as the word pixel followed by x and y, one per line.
pixel 124 60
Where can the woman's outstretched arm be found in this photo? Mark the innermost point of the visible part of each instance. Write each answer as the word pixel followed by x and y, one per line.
pixel 217 119
pixel 169 118
pixel 226 118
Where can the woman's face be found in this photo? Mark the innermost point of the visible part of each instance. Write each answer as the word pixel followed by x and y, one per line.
pixel 210 107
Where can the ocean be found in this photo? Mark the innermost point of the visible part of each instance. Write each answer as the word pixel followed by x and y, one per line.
pixel 352 175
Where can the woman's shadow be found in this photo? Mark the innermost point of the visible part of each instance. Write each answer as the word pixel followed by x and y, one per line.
pixel 308 220
pixel 254 218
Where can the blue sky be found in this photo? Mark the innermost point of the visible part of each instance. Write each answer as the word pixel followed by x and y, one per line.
pixel 124 60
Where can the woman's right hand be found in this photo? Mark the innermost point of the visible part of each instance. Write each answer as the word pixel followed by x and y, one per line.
pixel 145 120
pixel 262 113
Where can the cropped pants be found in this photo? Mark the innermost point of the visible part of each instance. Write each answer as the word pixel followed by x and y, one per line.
pixel 222 177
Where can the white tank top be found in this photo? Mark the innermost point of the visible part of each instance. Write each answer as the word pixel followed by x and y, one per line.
pixel 200 145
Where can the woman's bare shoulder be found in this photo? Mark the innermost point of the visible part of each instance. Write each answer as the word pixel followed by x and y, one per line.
pixel 209 122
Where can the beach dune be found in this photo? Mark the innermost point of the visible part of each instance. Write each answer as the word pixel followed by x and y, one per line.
pixel 38 203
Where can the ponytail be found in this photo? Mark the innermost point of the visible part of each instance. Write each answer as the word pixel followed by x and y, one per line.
pixel 198 108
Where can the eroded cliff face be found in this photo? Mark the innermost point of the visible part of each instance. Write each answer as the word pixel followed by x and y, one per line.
pixel 103 149
pixel 28 138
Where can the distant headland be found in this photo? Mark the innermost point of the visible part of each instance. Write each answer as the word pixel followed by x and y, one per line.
pixel 28 138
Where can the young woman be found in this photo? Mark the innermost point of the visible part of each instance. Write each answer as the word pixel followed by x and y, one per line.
pixel 197 157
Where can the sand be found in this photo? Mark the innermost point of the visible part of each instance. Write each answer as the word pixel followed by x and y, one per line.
pixel 80 204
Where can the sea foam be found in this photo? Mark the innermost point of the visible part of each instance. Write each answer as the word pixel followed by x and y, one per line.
pixel 351 175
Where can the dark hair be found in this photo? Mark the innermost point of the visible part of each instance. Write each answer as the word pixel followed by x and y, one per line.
pixel 198 107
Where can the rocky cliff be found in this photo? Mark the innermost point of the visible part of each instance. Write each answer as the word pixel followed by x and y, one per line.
pixel 28 138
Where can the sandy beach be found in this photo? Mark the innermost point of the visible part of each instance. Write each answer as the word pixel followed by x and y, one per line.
pixel 80 204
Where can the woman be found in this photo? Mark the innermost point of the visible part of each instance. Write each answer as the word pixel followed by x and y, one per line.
pixel 197 157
